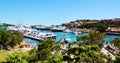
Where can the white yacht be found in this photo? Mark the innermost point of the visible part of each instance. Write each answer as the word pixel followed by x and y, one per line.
pixel 68 31
pixel 32 33
pixel 113 31
pixel 67 39
pixel 59 28
pixel 42 27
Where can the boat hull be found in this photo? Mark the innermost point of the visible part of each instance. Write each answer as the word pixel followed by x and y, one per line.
pixel 57 30
pixel 113 32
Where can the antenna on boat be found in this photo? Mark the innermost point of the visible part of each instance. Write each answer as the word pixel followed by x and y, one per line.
pixel 0 19
pixel 20 21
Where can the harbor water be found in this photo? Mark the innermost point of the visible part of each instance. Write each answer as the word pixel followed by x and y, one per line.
pixel 63 35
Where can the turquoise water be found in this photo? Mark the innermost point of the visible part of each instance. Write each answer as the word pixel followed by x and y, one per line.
pixel 60 35
pixel 72 36
pixel 111 37
pixel 30 41
pixel 3 27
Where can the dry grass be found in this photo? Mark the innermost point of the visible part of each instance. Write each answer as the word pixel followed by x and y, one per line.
pixel 5 53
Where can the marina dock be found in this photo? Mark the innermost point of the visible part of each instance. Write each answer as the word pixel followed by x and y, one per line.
pixel 32 33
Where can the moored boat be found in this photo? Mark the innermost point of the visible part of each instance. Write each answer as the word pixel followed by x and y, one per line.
pixel 113 31
pixel 32 33
pixel 58 29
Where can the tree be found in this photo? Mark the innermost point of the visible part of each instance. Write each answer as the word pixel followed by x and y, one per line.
pixel 101 27
pixel 55 58
pixel 82 38
pixel 44 51
pixel 84 53
pixel 117 60
pixel 92 38
pixel 10 39
pixel 5 24
pixel 116 43
pixel 18 35
pixel 5 38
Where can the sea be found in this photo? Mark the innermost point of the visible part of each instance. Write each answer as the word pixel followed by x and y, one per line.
pixel 64 35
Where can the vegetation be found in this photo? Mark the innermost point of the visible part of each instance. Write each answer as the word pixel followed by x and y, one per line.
pixel 101 27
pixel 117 59
pixel 92 38
pixel 116 43
pixel 3 55
pixel 44 52
pixel 85 53
pixel 87 50
pixel 5 24
pixel 17 57
pixel 9 39
pixel 114 48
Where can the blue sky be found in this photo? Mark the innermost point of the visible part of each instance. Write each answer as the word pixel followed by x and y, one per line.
pixel 49 12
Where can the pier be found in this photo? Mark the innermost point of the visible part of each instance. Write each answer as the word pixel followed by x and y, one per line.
pixel 34 38
pixel 32 33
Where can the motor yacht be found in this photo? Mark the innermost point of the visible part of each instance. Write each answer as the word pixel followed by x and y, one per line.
pixel 32 33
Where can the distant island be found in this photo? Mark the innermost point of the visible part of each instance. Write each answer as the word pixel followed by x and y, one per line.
pixel 5 24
